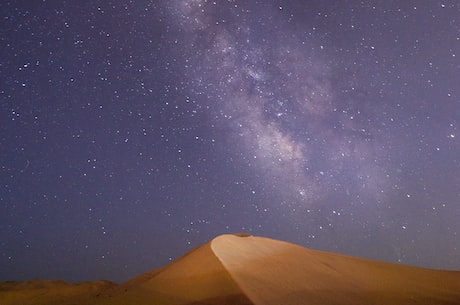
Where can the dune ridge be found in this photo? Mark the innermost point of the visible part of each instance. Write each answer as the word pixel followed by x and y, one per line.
pixel 242 269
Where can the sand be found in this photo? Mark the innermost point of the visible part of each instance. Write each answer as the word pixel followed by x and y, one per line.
pixel 196 277
pixel 244 270
pixel 41 292
pixel 276 272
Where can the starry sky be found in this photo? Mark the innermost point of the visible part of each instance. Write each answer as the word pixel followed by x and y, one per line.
pixel 133 131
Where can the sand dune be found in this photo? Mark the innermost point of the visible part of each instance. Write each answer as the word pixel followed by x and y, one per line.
pixel 275 272
pixel 198 276
pixel 242 269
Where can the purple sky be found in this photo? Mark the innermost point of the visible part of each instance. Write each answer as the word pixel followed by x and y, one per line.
pixel 131 133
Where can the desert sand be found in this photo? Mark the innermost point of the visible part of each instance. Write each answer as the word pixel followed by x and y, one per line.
pixel 244 269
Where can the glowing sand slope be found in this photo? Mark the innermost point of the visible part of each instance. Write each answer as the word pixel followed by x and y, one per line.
pixel 275 272
pixel 233 269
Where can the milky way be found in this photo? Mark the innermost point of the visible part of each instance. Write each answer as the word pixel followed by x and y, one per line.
pixel 273 89
pixel 133 133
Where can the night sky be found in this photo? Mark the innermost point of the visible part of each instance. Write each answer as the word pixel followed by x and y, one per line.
pixel 134 131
